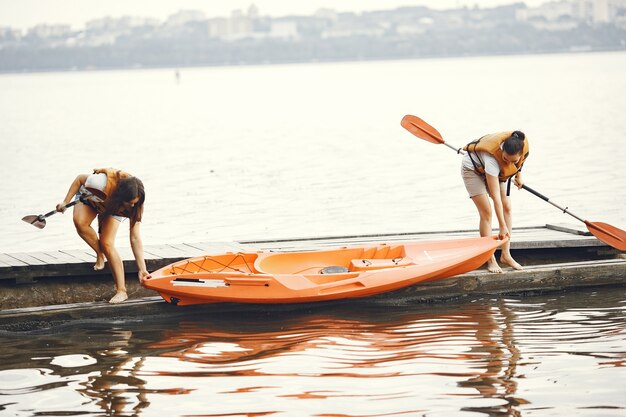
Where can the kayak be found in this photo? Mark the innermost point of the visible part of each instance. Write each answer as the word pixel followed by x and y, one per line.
pixel 320 275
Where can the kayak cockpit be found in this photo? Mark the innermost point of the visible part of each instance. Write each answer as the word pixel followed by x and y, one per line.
pixel 333 262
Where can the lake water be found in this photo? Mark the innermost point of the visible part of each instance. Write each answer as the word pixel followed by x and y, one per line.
pixel 284 151
pixel 552 355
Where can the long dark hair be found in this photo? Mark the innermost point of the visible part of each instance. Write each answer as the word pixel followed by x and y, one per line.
pixel 514 144
pixel 127 190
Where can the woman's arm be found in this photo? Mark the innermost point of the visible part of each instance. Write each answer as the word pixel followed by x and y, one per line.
pixel 519 181
pixel 137 246
pixel 493 184
pixel 80 180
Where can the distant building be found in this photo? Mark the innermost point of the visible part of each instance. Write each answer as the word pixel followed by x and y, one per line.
pixel 283 29
pixel 50 31
pixel 218 27
pixel 10 33
pixel 185 16
pixel 416 28
pixel 606 11
pixel 241 25
pixel 349 29
pixel 106 30
pixel 119 24
pixel 327 14
pixel 251 25
pixel 595 11
pixel 253 12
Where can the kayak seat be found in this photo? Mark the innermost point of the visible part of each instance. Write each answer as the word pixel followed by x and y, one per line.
pixel 372 264
pixel 339 261
pixel 305 262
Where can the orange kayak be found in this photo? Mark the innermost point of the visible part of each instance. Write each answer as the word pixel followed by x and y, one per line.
pixel 308 276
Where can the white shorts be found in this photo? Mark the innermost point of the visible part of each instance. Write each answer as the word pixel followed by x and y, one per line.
pixel 476 184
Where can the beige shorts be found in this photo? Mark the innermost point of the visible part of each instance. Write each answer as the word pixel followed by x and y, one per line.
pixel 476 184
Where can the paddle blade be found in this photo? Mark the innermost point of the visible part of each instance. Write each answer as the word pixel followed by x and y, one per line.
pixel 36 221
pixel 608 234
pixel 421 129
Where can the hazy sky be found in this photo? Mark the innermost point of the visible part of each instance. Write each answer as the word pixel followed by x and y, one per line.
pixel 23 14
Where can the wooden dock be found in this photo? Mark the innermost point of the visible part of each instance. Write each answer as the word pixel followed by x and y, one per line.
pixel 555 256
pixel 25 268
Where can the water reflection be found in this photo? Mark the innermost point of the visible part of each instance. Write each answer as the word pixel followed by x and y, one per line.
pixel 487 357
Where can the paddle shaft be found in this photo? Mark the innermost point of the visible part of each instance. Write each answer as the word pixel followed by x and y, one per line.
pixel 547 200
pixel 460 151
pixel 50 213
pixel 527 188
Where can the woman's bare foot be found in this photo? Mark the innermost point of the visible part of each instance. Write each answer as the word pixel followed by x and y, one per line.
pixel 492 266
pixel 99 266
pixel 119 297
pixel 510 262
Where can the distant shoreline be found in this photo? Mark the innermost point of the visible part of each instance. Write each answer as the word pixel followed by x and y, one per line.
pixel 305 62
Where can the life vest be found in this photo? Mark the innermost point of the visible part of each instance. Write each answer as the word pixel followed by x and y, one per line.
pixel 96 199
pixel 492 144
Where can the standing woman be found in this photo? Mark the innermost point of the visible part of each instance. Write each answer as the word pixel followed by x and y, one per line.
pixel 488 166
pixel 112 195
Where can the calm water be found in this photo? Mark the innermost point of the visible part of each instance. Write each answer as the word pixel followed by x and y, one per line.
pixel 309 150
pixel 557 355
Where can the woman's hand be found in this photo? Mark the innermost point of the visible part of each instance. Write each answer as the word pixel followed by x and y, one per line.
pixel 143 276
pixel 518 181
pixel 61 207
pixel 503 232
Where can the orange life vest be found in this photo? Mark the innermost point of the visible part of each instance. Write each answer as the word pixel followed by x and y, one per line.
pixel 97 201
pixel 492 145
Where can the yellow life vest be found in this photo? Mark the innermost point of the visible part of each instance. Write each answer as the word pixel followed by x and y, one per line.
pixel 97 200
pixel 492 144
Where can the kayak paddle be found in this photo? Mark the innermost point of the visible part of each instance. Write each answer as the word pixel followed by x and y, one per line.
pixel 40 221
pixel 607 233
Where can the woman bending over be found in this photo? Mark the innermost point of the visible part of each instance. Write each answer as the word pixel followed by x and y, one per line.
pixel 489 164
pixel 113 196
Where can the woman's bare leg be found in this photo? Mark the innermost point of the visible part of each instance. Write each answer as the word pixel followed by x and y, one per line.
pixel 484 211
pixel 108 231
pixel 83 217
pixel 505 256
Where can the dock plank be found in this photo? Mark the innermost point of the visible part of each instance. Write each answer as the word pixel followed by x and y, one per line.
pixel 27 259
pixel 64 258
pixel 45 257
pixel 11 261
pixel 212 248
pixel 164 251
pixel 82 255
pixel 567 228
pixel 191 251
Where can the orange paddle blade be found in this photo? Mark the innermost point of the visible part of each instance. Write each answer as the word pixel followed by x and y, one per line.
pixel 608 234
pixel 421 129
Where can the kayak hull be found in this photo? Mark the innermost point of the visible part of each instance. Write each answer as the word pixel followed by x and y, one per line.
pixel 311 276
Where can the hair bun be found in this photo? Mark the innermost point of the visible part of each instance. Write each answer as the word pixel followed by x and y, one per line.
pixel 518 135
